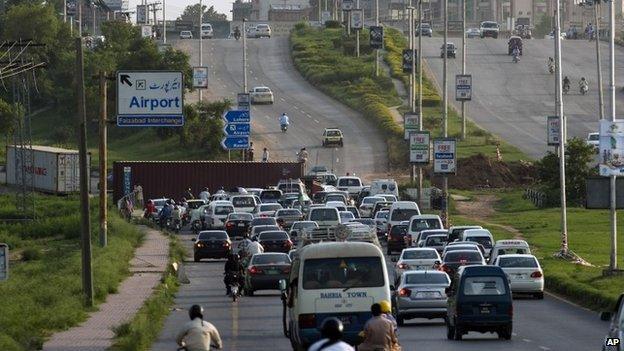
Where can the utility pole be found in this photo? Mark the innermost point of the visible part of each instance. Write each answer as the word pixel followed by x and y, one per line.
pixel 85 221
pixel 562 136
pixel 94 20
pixel 463 103
pixel 319 11
pixel 410 43
pixel 413 76
pixel 598 62
pixel 103 156
pixel 64 11
pixel 445 112
pixel 79 18
pixel 164 26
pixel 420 93
pixel 201 48
pixel 613 212
pixel 244 57
pixel 376 50
pixel 357 31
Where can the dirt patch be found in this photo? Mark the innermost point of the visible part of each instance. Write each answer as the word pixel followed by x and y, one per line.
pixel 481 208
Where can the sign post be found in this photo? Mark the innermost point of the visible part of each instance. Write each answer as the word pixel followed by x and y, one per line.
pixel 200 77
pixel 4 262
pixel 553 130
pixel 357 19
pixel 376 37
pixel 411 123
pixel 419 147
pixel 146 31
pixel 463 87
pixel 150 99
pixel 243 101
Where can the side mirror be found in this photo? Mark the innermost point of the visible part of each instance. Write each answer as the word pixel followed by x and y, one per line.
pixel 606 316
pixel 393 259
pixel 282 285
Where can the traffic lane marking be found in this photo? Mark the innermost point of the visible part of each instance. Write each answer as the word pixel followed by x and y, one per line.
pixel 544 348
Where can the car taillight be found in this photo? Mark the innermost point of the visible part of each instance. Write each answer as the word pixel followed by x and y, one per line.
pixel 405 292
pixel 288 243
pixel 255 270
pixel 226 244
pixel 229 224
pixel 536 274
pixel 403 266
pixel 286 270
pixel 307 321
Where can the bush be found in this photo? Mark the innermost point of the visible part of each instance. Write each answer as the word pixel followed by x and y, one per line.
pixel 333 24
pixel 31 254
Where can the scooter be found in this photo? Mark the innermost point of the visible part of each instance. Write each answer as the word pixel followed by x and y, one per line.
pixel 583 89
pixel 284 127
pixel 516 58
pixel 233 279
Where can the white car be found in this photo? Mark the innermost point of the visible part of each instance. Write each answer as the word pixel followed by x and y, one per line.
pixel 381 220
pixel 422 222
pixel 250 32
pixel 206 31
pixel 186 34
pixel 353 185
pixel 346 216
pixel 267 210
pixel 263 30
pixel 416 259
pixel 261 95
pixel 366 207
pixel 524 273
pixel 593 139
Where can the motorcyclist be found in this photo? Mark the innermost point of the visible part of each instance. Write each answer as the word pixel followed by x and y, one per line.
pixel 249 248
pixel 165 213
pixel 176 215
pixel 284 120
pixel 386 312
pixel 583 83
pixel 515 53
pixel 331 331
pixel 237 32
pixel 198 335
pixel 232 266
pixel 378 333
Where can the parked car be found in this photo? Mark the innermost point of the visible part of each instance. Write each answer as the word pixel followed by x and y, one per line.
pixel 524 273
pixel 473 33
pixel 479 299
pixel 264 272
pixel 275 241
pixel 262 95
pixel 186 34
pixel 451 50
pixel 421 294
pixel 237 224
pixel 211 244
pixel 416 259
pixel 452 260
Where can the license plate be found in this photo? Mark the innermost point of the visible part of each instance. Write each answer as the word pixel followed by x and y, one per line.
pixel 519 276
pixel 485 310
pixel 426 295
pixel 272 271
pixel 241 224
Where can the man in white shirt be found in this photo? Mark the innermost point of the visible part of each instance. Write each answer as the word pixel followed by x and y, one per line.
pixel 205 194
pixel 198 335
pixel 331 330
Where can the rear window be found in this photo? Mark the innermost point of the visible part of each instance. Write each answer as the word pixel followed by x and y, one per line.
pixel 263 221
pixel 419 254
pixel 367 221
pixel 334 197
pixel 489 25
pixel 271 259
pixel 382 215
pixel 258 230
pixel 401 214
pixel 372 200
pixel 333 133
pixel 349 182
pixel 483 240
pixel 304 225
pixel 433 278
pixel 270 195
pixel 270 207
pixel 343 272
pixel 398 230
pixel 273 236
pixel 213 236
pixel 246 201
pixel 436 240
pixel 324 214
pixel 344 215
pixel 223 210
pixel 517 262
pixel 262 26
pixel 510 250
pixel 240 216
pixel 594 137
pixel 456 256
pixel 484 286
pixel 425 235
pixel 422 224
pixel 289 213
pixel 263 90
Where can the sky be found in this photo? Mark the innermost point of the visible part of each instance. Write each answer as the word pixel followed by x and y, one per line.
pixel 176 7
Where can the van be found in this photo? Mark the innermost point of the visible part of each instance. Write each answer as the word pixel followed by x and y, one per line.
pixel 455 231
pixel 244 203
pixel 401 211
pixel 384 186
pixel 268 196
pixel 325 217
pixel 353 185
pixel 336 204
pixel 333 279
pixel 206 31
pixel 508 247
pixel 215 214
pixel 479 299
pixel 291 186
pixel 480 236
pixel 423 222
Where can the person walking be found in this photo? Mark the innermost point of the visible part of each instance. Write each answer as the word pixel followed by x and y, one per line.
pixel 265 155
pixel 331 331
pixel 250 152
pixel 198 335
pixel 379 333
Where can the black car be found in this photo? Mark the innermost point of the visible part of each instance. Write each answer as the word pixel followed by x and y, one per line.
pixel 454 259
pixel 396 238
pixel 237 225
pixel 265 270
pixel 479 299
pixel 211 244
pixel 275 241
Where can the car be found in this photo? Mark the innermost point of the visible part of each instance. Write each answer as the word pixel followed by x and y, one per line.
pixel 215 213
pixel 335 197
pixel 297 228
pixel 263 30
pixel 425 30
pixel 158 205
pixel 616 327
pixel 352 185
pixel 416 259
pixel 506 247
pixel 267 210
pixel 463 245
pixel 354 210
pixel 367 221
pixel 346 216
pixel 455 231
pixel 275 241
pixel 489 29
pixel 325 217
pixel 423 222
pixel 250 32
pixel 211 244
pixel 262 221
pixel 287 216
pixel 366 206
pixel 389 197
pixel 381 218
pixel 473 33
pixel 269 196
pixel 421 294
pixel 396 238
pixel 206 31
pixel 479 299
pixel 481 236
pixel 524 273
pixel 451 50
pixel 244 203
pixel 237 224
pixel 436 241
pixel 402 211
pixel 593 140
pixel 257 230
pixel 264 272
pixel 380 205
pixel 186 34
pixel 332 136
pixel 261 95
pixel 455 259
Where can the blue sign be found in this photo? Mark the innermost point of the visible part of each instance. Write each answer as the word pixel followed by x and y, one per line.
pixel 127 180
pixel 150 121
pixel 237 129
pixel 237 116
pixel 235 143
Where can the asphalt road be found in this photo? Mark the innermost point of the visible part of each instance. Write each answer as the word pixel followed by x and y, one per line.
pixel 254 323
pixel 310 111
pixel 513 100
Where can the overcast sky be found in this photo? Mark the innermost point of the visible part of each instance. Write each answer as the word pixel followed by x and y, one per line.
pixel 175 7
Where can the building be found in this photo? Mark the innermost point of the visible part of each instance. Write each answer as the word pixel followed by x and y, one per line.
pixel 289 13
pixel 258 10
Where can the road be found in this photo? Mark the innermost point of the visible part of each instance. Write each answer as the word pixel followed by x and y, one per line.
pixel 254 323
pixel 513 100
pixel 310 111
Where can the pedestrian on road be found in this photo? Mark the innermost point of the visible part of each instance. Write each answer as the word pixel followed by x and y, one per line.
pixel 250 152
pixel 198 335
pixel 331 331
pixel 265 155
pixel 379 333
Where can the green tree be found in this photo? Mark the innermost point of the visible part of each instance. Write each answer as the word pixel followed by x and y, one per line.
pixel 29 21
pixel 191 13
pixel 543 26
pixel 7 117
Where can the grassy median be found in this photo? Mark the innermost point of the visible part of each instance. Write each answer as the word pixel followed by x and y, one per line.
pixel 44 293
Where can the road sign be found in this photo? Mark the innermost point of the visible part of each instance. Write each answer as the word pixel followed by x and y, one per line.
pixel 146 31
pixel 357 19
pixel 411 122
pixel 347 5
pixel 127 180
pixel 553 130
pixel 444 156
pixel 408 58
pixel 463 87
pixel 4 262
pixel 235 143
pixel 237 129
pixel 140 14
pixel 326 16
pixel 611 162
pixel 237 116
pixel 150 98
pixel 376 37
pixel 243 100
pixel 71 8
pixel 419 147
pixel 200 77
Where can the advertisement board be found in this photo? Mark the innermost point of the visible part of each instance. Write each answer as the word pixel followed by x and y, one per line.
pixel 411 122
pixel 408 60
pixel 200 77
pixel 357 19
pixel 553 130
pixel 419 147
pixel 444 156
pixel 463 87
pixel 376 37
pixel 611 156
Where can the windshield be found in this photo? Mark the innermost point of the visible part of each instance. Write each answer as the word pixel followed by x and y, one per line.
pixel 346 215
pixel 263 90
pixel 382 215
pixel 483 240
pixel 349 182
pixel 401 214
pixel 223 210
pixel 484 286
pixel 258 230
pixel 270 259
pixel 427 278
pixel 289 213
pixel 270 207
pixel 345 272
pixel 263 221
pixel 246 201
pixel 333 133
pixel 594 137
pixel 240 216
pixel 398 230
pixel 463 256
pixel 511 250
pixel 517 262
pixel 436 240
pixel 422 224
pixel 419 254
pixel 273 236
pixel 334 197
pixel 270 195
pixel 489 25
pixel 213 236
pixel 324 214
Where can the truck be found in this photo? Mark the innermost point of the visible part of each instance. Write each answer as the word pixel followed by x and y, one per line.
pixel 352 231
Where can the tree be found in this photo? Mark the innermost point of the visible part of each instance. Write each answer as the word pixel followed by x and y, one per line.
pixel 191 13
pixel 37 22
pixel 7 117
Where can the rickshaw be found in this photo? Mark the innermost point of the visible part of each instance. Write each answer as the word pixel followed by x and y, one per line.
pixel 514 41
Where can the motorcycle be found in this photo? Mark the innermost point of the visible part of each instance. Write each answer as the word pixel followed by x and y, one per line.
pixel 237 35
pixel 566 88
pixel 551 68
pixel 233 283
pixel 584 88
pixel 284 127
pixel 516 58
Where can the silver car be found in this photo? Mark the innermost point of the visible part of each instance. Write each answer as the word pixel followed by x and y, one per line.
pixel 421 294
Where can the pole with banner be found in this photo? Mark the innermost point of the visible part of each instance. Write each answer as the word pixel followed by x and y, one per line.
pixel 411 122
pixel 420 154
pixel 445 163
pixel 357 23
pixel 553 130
pixel 200 77
pixel 463 93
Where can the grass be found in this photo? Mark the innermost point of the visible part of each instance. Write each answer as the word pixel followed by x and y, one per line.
pixel 44 293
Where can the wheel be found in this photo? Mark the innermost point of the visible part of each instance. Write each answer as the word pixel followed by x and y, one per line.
pixel 400 321
pixel 505 333
pixel 539 295
pixel 196 258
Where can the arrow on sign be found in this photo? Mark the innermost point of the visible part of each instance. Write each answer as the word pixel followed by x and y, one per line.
pixel 235 142
pixel 237 129
pixel 237 116
pixel 125 79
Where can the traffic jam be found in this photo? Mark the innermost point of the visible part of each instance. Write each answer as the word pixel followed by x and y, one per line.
pixel 332 247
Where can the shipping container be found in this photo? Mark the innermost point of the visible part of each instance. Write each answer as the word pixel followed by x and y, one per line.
pixel 53 170
pixel 172 178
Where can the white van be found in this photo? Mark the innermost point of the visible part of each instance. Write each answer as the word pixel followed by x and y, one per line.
pixel 215 214
pixel 481 236
pixel 244 203
pixel 401 211
pixel 423 222
pixel 336 204
pixel 206 31
pixel 509 247
pixel 333 279
pixel 352 185
pixel 325 217
pixel 384 186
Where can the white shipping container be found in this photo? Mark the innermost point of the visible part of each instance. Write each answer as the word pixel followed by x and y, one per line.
pixel 54 170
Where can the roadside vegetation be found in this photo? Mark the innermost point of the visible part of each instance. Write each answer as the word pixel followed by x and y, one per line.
pixel 44 293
